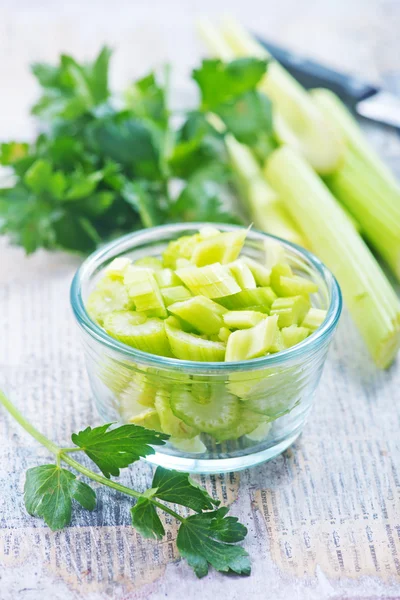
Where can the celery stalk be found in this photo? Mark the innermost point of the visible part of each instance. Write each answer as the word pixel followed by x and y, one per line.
pixel 298 121
pixel 265 209
pixel 364 184
pixel 366 290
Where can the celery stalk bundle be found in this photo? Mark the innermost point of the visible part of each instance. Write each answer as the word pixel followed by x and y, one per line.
pixel 364 184
pixel 369 296
pixel 298 121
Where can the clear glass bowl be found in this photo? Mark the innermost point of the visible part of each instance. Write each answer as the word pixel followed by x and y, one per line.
pixel 272 395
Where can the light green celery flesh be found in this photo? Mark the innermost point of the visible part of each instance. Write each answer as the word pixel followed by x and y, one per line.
pixel 248 298
pixel 364 184
pixel 243 275
pixel 212 281
pixel 148 337
pixel 204 314
pixel 187 346
pixel 265 209
pixel 314 318
pixel 298 121
pixel 368 294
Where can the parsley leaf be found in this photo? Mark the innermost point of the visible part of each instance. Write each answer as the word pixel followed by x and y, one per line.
pixel 49 491
pixel 146 520
pixel 115 449
pixel 207 539
pixel 173 486
pixel 221 82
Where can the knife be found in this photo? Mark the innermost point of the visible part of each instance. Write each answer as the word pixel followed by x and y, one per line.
pixel 366 100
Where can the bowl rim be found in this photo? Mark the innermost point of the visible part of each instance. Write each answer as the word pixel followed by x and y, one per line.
pixel 312 342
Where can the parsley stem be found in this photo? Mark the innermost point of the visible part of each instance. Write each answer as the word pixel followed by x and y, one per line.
pixel 62 455
pixel 14 412
pixel 116 486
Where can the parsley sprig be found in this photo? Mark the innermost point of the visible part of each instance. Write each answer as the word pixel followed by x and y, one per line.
pixel 206 538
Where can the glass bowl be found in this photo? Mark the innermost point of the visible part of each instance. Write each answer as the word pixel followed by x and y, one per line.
pixel 260 405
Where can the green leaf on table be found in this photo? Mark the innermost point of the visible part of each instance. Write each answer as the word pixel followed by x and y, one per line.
pixel 180 488
pixel 208 539
pixel 49 491
pixel 115 449
pixel 146 520
pixel 221 82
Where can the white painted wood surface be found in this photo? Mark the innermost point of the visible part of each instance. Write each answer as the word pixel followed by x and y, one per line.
pixel 324 519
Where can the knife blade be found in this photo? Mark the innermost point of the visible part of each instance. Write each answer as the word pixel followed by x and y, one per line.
pixel 363 98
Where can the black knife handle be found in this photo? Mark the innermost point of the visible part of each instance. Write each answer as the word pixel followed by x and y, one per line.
pixel 311 75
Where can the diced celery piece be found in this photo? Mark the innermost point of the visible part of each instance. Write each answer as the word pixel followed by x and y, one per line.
pixel 141 390
pixel 277 344
pixel 166 278
pixel 116 268
pixel 245 344
pixel 188 346
pixel 148 337
pixel 145 293
pixel 260 433
pixel 132 274
pixel 293 335
pixel 260 273
pixel 223 334
pixel 212 281
pixel 208 231
pixel 178 293
pixel 285 283
pixel 194 445
pixel 243 275
pixel 290 311
pixel 180 248
pixel 314 318
pixel 170 423
pixel 148 419
pixel 248 298
pixel 200 312
pixel 223 248
pixel 151 262
pixel 275 254
pixel 220 412
pixel 248 421
pixel 111 296
pixel 242 319
pixel 181 263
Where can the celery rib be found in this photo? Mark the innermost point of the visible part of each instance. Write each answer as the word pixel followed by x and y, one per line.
pixel 369 296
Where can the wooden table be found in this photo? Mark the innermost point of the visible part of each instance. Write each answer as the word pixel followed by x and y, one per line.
pixel 324 518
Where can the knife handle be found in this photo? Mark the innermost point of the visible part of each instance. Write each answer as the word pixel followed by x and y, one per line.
pixel 311 74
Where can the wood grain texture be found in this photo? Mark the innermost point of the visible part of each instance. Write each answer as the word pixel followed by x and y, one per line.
pixel 324 518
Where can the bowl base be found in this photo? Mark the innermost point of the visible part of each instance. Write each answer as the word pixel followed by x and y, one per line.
pixel 208 466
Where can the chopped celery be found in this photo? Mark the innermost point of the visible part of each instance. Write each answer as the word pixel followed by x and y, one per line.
pixel 170 423
pixel 110 296
pixel 212 281
pixel 242 319
pixel 132 274
pixel 369 296
pixel 243 275
pixel 275 254
pixel 166 278
pixel 194 445
pixel 266 210
pixel 260 273
pixel 248 421
pixel 200 312
pixel 181 248
pixel 116 268
pixel 364 184
pixel 141 390
pixel 293 335
pixel 148 337
pixel 145 293
pixel 224 334
pixel 182 262
pixel 149 419
pixel 223 248
pixel 260 433
pixel 245 344
pixel 284 283
pixel 314 318
pixel 290 311
pixel 221 412
pixel 298 121
pixel 263 296
pixel 187 346
pixel 151 262
pixel 178 293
